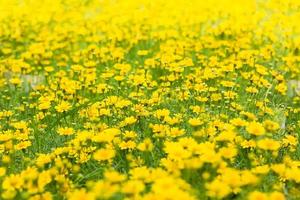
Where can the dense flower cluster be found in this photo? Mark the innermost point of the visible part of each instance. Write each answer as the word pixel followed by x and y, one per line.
pixel 149 99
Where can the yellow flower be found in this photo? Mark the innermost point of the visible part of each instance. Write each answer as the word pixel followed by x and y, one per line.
pixel 195 122
pixel 218 189
pixel 290 140
pixel 12 182
pixel 15 81
pixel 263 169
pixel 255 128
pixel 9 194
pixel 257 196
pixel 271 126
pixel 114 176
pixel 252 90
pixel 2 171
pixel 281 88
pixel 248 144
pixel 277 196
pixel 43 179
pixel 44 105
pixel 133 187
pixel 22 145
pixel 228 152
pixel 65 131
pixel 81 194
pixel 127 145
pixel 104 154
pixel 176 151
pixel 176 132
pixel 268 144
pixel 43 159
pixel 128 121
pixel 146 145
pixel 63 106
pixel 226 136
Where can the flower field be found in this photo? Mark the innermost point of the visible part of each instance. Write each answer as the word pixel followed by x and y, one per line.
pixel 150 99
